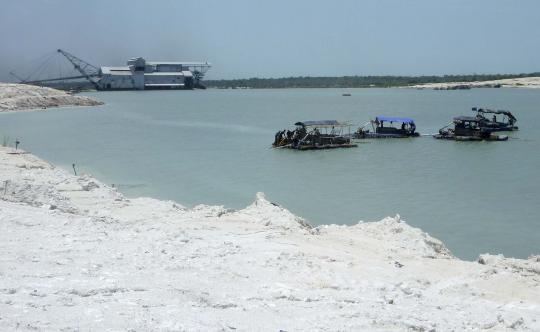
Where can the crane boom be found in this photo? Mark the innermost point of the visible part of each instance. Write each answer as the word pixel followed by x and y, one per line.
pixel 17 77
pixel 87 70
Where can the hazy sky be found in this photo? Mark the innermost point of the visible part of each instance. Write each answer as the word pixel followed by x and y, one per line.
pixel 250 38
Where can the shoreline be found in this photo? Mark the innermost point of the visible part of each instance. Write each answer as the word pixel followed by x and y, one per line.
pixel 70 242
pixel 52 108
pixel 521 83
pixel 375 82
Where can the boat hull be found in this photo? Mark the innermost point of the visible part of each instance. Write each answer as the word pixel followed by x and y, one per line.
pixel 472 138
pixel 377 135
pixel 317 147
pixel 509 128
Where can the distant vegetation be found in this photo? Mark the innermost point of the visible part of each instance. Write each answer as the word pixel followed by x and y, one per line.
pixel 323 82
pixel 352 81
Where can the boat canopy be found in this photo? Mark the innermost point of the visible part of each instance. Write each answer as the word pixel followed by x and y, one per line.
pixel 485 110
pixel 466 118
pixel 321 123
pixel 394 119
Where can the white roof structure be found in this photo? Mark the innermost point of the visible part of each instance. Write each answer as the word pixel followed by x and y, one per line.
pixel 115 71
pixel 185 63
pixel 169 73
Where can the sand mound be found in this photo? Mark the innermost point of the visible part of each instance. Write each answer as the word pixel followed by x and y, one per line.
pixel 77 255
pixel 519 82
pixel 15 97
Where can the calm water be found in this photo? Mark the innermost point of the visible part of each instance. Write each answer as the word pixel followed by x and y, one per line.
pixel 212 147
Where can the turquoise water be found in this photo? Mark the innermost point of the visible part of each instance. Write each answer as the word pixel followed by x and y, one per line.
pixel 212 147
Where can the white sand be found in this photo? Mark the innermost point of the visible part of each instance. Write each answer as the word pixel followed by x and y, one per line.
pixel 16 97
pixel 524 82
pixel 77 255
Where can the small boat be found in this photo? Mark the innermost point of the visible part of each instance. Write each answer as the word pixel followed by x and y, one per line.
pixel 346 95
pixel 468 128
pixel 315 135
pixel 385 127
pixel 506 123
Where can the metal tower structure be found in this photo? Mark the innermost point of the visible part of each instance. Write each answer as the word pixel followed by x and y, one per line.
pixel 87 71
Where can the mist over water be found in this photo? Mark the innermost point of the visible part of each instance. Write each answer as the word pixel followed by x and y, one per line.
pixel 213 147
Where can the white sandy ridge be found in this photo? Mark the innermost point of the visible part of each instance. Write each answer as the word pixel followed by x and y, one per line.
pixel 15 97
pixel 519 82
pixel 76 254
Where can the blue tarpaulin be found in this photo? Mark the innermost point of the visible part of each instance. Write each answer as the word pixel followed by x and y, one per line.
pixel 393 119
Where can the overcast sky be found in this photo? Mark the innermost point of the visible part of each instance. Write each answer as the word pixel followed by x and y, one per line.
pixel 279 38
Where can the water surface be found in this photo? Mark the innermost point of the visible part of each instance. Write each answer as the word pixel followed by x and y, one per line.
pixel 212 147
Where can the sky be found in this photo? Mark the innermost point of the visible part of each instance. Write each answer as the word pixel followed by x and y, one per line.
pixel 279 38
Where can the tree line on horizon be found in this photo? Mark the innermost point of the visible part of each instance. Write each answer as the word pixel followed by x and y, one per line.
pixel 353 81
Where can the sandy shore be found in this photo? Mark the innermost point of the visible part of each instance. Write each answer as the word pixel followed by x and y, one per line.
pixel 76 254
pixel 524 82
pixel 16 97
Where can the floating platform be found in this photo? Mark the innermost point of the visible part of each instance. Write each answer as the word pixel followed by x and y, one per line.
pixel 468 128
pixel 377 135
pixel 507 128
pixel 319 147
pixel 406 129
pixel 308 136
pixel 472 138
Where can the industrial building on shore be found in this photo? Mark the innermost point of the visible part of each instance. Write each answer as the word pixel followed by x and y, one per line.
pixel 142 75
pixel 138 74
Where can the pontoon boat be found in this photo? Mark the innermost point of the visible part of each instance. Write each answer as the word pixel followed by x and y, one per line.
pixel 468 128
pixel 387 127
pixel 506 121
pixel 315 135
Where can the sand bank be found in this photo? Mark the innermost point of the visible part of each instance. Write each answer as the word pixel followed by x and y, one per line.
pixel 523 82
pixel 16 97
pixel 76 254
